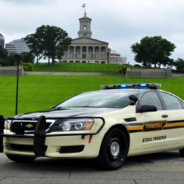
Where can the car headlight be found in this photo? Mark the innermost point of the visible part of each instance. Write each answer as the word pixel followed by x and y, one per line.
pixel 73 125
pixel 7 124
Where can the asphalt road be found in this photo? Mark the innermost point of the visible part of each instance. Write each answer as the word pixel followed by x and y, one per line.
pixel 160 168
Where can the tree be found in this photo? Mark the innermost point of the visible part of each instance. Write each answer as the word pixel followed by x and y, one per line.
pixel 35 44
pixel 154 50
pixel 3 53
pixel 179 63
pixel 171 63
pixel 11 58
pixel 4 62
pixel 4 57
pixel 48 41
pixel 27 57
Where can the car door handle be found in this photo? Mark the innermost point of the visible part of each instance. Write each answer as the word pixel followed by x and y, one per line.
pixel 164 116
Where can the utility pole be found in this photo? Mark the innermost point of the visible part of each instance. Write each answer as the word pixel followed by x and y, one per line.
pixel 17 57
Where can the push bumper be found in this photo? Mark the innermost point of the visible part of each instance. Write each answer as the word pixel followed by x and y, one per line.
pixel 40 139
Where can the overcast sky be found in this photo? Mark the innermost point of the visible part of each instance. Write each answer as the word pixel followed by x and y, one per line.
pixel 121 23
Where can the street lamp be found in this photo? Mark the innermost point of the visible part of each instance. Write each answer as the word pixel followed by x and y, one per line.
pixel 17 57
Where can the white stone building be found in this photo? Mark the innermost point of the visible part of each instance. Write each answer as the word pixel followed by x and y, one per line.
pixel 86 49
pixel 116 59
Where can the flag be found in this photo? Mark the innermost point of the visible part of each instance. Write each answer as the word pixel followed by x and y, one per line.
pixel 83 5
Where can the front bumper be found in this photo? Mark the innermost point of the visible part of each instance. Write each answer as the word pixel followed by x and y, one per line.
pixel 52 144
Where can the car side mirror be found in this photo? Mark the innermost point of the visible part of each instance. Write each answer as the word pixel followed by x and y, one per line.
pixel 133 98
pixel 147 108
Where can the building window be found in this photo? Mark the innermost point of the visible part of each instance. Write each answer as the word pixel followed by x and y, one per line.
pixel 102 62
pixel 84 34
pixel 83 49
pixel 92 56
pixel 83 55
pixel 77 61
pixel 71 61
pixel 84 27
pixel 83 61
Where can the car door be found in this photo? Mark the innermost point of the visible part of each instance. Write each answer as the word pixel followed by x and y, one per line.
pixel 174 129
pixel 149 137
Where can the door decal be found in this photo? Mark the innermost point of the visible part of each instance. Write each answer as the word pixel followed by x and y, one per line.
pixel 151 126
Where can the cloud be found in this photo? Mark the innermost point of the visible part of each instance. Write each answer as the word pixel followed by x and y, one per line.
pixel 119 22
pixel 25 2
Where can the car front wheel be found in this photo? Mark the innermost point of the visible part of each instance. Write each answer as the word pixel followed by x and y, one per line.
pixel 113 151
pixel 20 159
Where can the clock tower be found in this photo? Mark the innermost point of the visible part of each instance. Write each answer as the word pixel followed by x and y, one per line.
pixel 85 27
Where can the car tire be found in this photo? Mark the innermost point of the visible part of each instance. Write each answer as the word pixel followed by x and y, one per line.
pixel 20 159
pixel 113 151
pixel 181 152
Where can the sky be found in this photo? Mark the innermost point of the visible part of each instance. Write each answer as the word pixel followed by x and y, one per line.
pixel 121 23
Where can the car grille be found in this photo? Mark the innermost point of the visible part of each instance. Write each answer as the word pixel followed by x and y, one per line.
pixel 21 147
pixel 26 127
pixel 71 149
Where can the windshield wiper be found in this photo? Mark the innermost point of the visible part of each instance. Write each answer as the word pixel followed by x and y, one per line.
pixel 59 108
pixel 87 106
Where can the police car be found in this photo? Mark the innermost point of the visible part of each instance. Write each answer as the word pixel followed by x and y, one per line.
pixel 107 125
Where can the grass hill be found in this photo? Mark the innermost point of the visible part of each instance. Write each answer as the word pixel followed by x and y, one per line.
pixel 41 92
pixel 78 67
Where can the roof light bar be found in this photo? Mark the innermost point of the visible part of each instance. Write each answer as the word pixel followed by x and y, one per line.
pixel 123 86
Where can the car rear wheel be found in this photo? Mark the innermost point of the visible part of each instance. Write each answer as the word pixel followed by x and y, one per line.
pixel 20 159
pixel 113 151
pixel 181 152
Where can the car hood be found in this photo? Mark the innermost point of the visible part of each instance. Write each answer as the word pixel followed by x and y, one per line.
pixel 65 113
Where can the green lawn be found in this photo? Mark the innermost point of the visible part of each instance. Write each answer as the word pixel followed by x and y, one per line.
pixel 77 67
pixel 41 92
pixel 82 67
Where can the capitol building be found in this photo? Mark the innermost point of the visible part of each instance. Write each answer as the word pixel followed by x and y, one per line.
pixel 85 49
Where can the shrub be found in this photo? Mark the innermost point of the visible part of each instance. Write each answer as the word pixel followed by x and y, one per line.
pixel 27 66
pixel 123 70
pixel 182 70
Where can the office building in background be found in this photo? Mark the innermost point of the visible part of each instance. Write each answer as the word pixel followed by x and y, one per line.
pixel 116 59
pixel 2 40
pixel 17 46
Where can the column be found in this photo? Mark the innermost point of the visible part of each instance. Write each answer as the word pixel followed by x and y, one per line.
pixel 74 47
pixel 99 52
pixel 68 55
pixel 106 57
pixel 93 52
pixel 87 52
pixel 80 52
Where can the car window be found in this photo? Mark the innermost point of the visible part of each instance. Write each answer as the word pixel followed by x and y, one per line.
pixel 151 98
pixel 171 101
pixel 105 99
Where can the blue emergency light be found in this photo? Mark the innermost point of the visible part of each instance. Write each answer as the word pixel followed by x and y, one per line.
pixel 143 85
pixel 125 86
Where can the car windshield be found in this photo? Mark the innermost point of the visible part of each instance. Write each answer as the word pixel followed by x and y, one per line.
pixel 101 99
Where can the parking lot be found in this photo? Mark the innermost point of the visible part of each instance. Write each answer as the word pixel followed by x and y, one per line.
pixel 167 167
